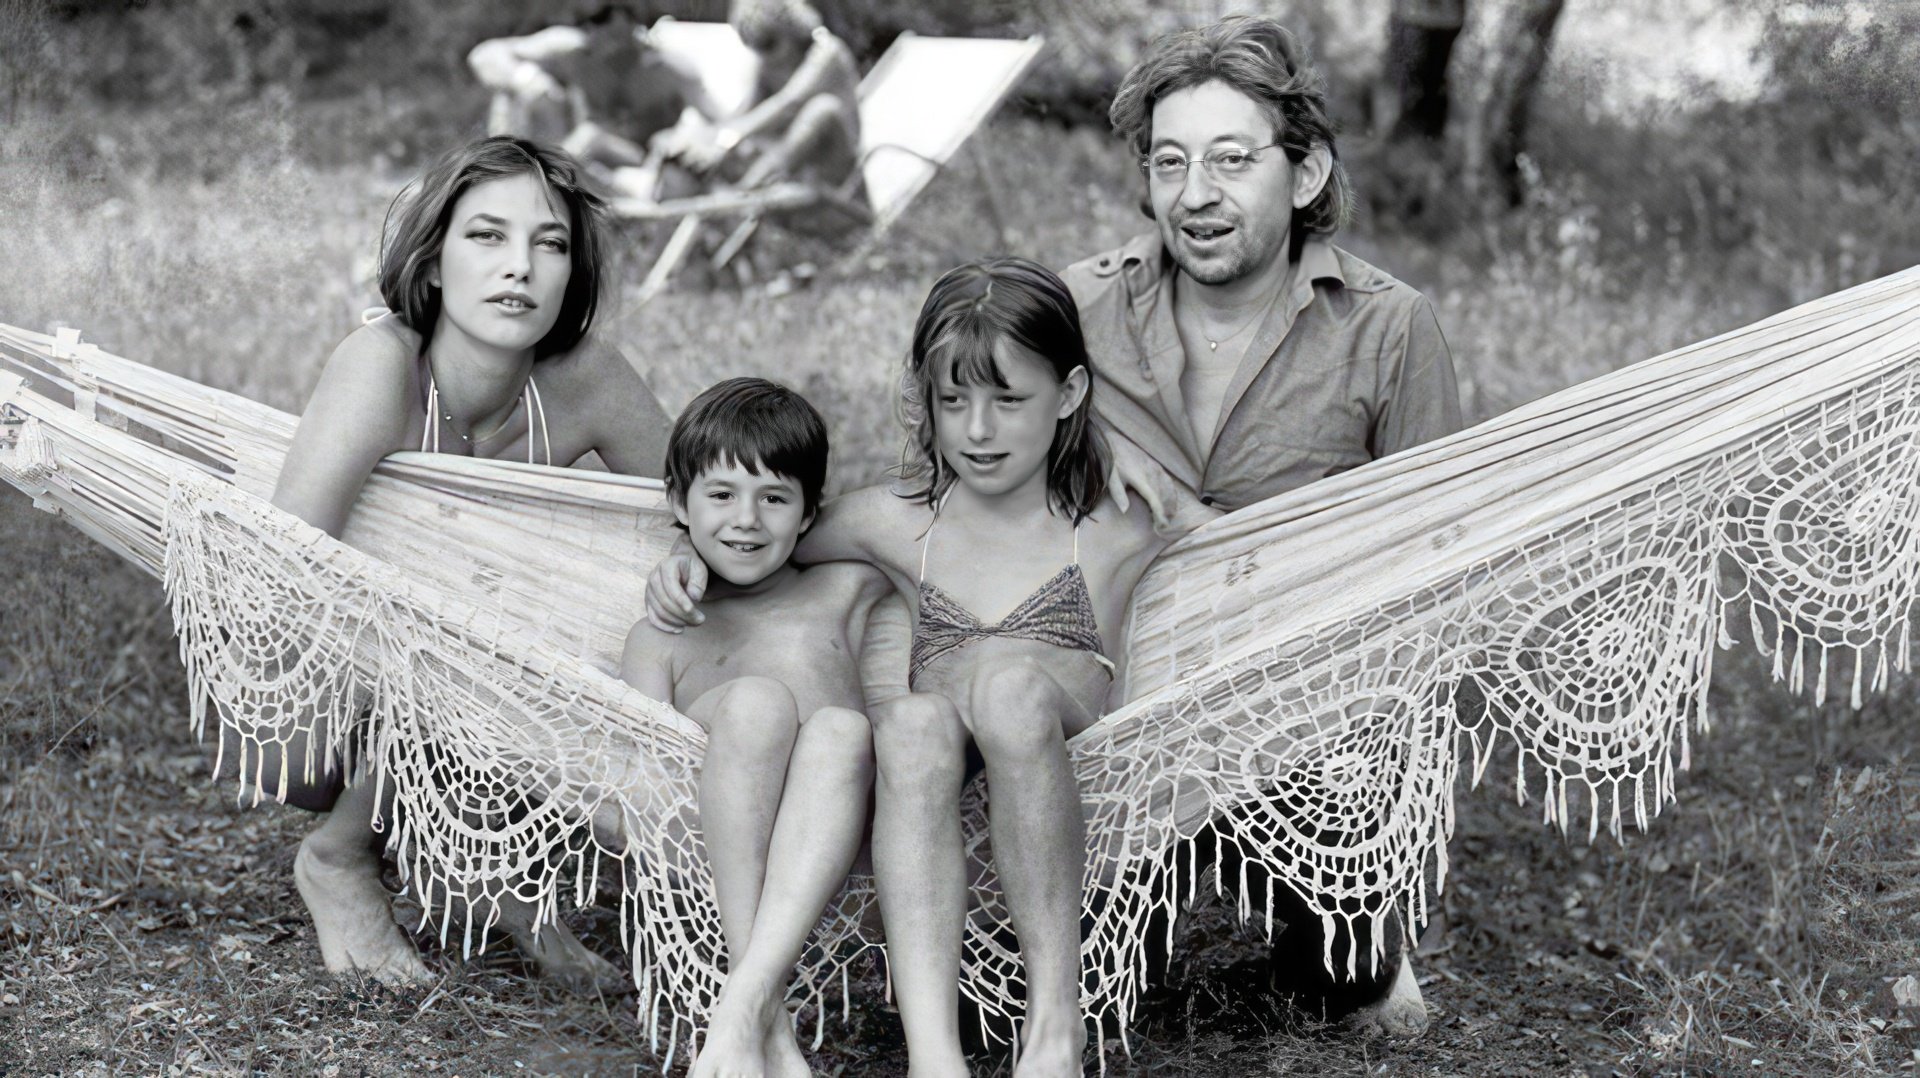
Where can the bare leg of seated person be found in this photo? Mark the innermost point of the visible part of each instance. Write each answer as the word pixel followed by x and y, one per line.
pixel 819 146
pixel 1021 718
pixel 920 747
pixel 752 727
pixel 815 837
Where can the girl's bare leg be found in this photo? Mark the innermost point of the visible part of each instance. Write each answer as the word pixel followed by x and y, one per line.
pixel 919 867
pixel 1019 715
pixel 815 838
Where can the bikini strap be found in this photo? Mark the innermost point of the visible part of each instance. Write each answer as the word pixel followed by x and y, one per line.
pixel 1076 542
pixel 430 434
pixel 927 539
pixel 533 392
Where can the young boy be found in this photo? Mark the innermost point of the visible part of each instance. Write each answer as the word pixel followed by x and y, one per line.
pixel 773 675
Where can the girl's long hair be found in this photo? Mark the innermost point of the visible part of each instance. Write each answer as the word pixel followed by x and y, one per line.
pixel 969 310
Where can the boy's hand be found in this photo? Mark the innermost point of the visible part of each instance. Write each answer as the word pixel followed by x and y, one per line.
pixel 674 589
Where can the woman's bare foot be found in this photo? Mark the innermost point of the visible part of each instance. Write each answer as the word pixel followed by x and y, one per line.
pixel 564 960
pixel 1052 1049
pixel 353 916
pixel 1401 1013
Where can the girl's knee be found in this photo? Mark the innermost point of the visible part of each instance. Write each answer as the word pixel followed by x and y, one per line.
pixel 1016 711
pixel 918 740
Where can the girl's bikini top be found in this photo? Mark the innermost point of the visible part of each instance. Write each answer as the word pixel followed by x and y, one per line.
pixel 1059 612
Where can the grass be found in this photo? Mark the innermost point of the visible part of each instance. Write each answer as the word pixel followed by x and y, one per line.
pixel 147 925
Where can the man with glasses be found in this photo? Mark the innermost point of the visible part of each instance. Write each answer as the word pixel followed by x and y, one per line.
pixel 1242 355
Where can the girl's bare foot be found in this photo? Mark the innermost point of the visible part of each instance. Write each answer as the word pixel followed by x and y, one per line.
pixel 1052 1049
pixel 353 916
pixel 736 1041
pixel 782 1047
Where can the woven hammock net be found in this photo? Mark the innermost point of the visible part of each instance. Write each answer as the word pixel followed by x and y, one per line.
pixel 1309 675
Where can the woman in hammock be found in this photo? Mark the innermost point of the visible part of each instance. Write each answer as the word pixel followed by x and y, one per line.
pixel 492 267
pixel 1007 475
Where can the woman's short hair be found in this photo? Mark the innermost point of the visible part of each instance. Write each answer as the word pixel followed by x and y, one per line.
pixel 1259 58
pixel 969 310
pixel 416 229
pixel 753 423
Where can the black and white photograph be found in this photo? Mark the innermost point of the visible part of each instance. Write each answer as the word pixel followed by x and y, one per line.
pixel 942 538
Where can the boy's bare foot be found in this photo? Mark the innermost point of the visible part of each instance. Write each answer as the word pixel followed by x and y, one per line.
pixel 1402 1013
pixel 353 916
pixel 1052 1050
pixel 564 960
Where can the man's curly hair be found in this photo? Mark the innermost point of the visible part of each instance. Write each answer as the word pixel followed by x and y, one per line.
pixel 1259 58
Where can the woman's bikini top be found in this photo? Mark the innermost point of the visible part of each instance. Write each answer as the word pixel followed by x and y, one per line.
pixel 1059 612
pixel 529 399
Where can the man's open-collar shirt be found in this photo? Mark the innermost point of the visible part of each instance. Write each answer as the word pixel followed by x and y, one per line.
pixel 1350 366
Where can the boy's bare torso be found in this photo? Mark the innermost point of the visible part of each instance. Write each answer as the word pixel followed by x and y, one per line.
pixel 804 634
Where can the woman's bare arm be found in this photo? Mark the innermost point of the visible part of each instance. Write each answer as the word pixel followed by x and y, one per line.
pixel 629 425
pixel 357 414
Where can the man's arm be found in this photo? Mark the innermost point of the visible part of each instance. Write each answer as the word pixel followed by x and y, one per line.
pixel 1419 396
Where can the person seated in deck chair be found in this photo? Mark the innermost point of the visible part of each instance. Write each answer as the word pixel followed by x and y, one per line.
pixel 600 89
pixel 807 125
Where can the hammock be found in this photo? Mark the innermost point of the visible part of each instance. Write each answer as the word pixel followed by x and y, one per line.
pixel 1556 578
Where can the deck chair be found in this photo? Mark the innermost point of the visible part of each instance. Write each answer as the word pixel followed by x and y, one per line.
pixel 918 106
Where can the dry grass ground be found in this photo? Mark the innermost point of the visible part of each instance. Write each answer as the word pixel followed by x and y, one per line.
pixel 149 925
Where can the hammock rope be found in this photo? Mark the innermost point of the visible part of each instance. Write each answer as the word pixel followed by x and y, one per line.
pixel 1310 674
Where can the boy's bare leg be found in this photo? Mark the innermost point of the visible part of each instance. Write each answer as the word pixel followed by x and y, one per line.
pixel 751 726
pixel 1039 849
pixel 814 842
pixel 919 868
pixel 338 873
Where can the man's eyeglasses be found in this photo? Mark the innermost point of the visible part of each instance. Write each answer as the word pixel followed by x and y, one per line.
pixel 1223 163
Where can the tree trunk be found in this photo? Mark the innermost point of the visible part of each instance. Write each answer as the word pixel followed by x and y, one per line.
pixel 1493 78
pixel 1410 100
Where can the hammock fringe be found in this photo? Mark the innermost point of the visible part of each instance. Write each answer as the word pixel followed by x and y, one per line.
pixel 1553 583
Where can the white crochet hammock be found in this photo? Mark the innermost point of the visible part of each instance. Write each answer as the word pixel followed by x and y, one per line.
pixel 1574 563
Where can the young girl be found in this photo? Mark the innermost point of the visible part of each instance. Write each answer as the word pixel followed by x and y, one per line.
pixel 1019 579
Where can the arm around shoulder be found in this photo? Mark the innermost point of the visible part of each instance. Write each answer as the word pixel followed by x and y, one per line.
pixel 853 527
pixel 358 413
